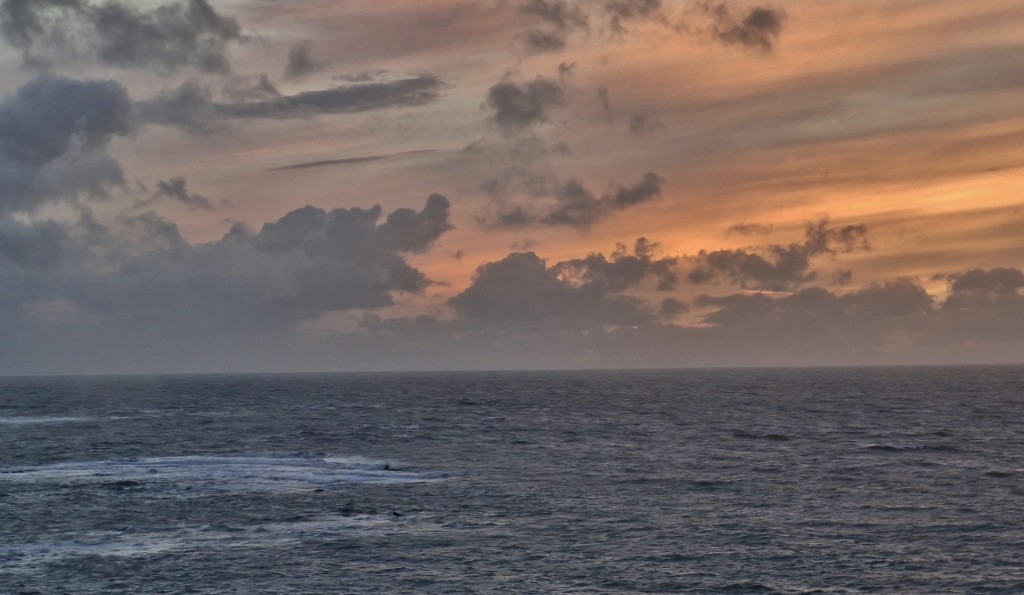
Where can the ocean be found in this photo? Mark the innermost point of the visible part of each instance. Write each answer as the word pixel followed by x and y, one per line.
pixel 860 480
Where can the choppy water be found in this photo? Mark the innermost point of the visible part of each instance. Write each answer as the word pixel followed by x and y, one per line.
pixel 790 481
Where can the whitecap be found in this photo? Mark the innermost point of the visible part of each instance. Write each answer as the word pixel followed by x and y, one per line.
pixel 203 474
pixel 33 420
pixel 30 557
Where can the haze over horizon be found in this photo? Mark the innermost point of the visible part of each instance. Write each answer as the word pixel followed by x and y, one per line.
pixel 247 185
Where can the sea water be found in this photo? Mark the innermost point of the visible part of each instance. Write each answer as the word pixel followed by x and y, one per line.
pixel 902 480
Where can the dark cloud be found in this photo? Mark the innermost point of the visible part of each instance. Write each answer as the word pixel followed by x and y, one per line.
pixel 876 307
pixel 621 11
pixel 38 246
pixel 301 61
pixel 409 231
pixel 641 125
pixel 623 270
pixel 560 18
pixel 672 308
pixel 408 92
pixel 779 267
pixel 517 107
pixel 577 207
pixel 141 274
pixel 648 188
pixel 521 292
pixel 984 287
pixel 192 106
pixel 568 204
pixel 176 189
pixel 750 229
pixel 346 160
pixel 185 33
pixel 560 14
pixel 53 138
pixel 759 28
pixel 189 107
pixel 545 41
pixel 237 88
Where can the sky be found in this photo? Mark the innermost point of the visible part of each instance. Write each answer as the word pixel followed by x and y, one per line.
pixel 347 185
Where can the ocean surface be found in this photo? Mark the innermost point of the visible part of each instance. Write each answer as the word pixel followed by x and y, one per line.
pixel 901 480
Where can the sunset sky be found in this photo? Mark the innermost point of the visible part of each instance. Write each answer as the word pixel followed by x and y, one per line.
pixel 316 185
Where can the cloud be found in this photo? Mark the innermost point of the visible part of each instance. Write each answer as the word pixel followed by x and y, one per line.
pixel 193 108
pixel 758 29
pixel 984 287
pixel 175 189
pixel 301 61
pixel 174 35
pixel 545 41
pixel 571 204
pixel 54 133
pixel 139 273
pixel 641 125
pixel 560 17
pixel 749 229
pixel 346 160
pixel 623 270
pixel 621 11
pixel 521 292
pixel 672 308
pixel 517 107
pixel 779 267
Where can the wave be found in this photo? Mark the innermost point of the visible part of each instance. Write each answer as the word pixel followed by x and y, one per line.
pixel 34 556
pixel 202 474
pixel 20 420
pixel 909 447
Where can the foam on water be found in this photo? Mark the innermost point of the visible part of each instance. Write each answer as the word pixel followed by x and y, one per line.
pixel 31 557
pixel 196 475
pixel 20 420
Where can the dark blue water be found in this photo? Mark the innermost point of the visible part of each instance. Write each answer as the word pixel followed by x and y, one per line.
pixel 789 481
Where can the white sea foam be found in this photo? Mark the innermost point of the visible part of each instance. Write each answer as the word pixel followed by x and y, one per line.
pixel 195 475
pixel 27 420
pixel 30 557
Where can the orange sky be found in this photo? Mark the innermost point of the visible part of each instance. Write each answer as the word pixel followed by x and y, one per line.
pixel 903 117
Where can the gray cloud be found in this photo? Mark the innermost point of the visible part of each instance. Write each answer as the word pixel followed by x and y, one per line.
pixel 545 41
pixel 779 267
pixel 560 14
pixel 239 88
pixel 560 17
pixel 189 107
pixel 53 138
pixel 749 229
pixel 176 189
pixel 641 125
pixel 518 107
pixel 572 204
pixel 985 287
pixel 521 292
pixel 621 11
pixel 192 106
pixel 140 273
pixel 38 246
pixel 623 270
pixel 672 308
pixel 346 160
pixel 178 34
pixel 301 61
pixel 759 28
